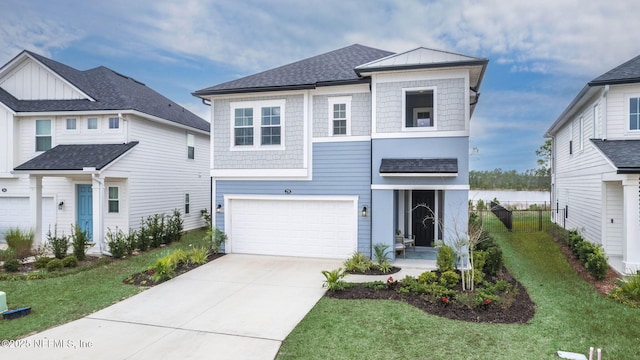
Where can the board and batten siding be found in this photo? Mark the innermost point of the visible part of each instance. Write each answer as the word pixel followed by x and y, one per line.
pixel 159 172
pixel 31 81
pixel 339 168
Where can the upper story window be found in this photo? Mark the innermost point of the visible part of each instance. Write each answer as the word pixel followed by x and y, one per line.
pixel 92 123
pixel 263 133
pixel 419 108
pixel 581 133
pixel 186 203
pixel 596 123
pixel 114 199
pixel 114 123
pixel 270 125
pixel 191 146
pixel 340 115
pixel 634 113
pixel 71 124
pixel 43 135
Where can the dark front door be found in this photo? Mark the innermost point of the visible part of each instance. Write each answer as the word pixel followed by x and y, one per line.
pixel 421 228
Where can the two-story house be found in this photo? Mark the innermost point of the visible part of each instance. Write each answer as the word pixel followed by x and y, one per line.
pixel 596 164
pixel 94 148
pixel 331 154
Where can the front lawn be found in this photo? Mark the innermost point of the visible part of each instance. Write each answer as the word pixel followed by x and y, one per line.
pixel 570 316
pixel 58 300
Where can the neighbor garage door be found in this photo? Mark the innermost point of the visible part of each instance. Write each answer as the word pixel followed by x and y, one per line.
pixel 301 226
pixel 14 212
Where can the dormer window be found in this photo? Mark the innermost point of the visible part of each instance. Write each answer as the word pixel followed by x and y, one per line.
pixel 419 109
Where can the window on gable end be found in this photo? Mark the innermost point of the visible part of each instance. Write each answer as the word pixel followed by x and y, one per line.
pixel 634 113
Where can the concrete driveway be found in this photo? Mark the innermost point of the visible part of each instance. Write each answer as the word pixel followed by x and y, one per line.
pixel 236 307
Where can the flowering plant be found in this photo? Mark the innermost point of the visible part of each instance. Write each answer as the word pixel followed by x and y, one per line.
pixel 390 279
pixel 445 299
pixel 487 302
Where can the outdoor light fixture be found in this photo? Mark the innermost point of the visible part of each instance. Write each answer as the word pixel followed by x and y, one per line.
pixel 4 189
pixel 60 205
pixel 287 191
pixel 364 211
pixel 219 208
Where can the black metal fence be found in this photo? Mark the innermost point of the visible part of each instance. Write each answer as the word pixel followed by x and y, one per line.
pixel 519 220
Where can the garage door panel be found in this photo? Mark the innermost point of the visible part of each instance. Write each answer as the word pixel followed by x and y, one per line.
pixel 301 227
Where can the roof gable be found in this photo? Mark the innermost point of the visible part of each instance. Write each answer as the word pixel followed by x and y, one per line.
pixel 419 58
pixel 106 90
pixel 334 67
pixel 628 72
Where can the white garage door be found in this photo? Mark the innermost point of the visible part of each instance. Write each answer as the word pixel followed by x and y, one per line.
pixel 14 212
pixel 301 226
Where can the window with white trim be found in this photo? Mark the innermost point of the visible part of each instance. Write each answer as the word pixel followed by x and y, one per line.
pixel 581 133
pixel 634 113
pixel 71 124
pixel 265 132
pixel 186 203
pixel 191 146
pixel 92 123
pixel 419 108
pixel 114 199
pixel 340 115
pixel 114 123
pixel 43 135
pixel 596 123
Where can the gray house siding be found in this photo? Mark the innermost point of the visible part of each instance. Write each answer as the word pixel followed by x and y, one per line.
pixel 360 114
pixel 339 168
pixel 450 94
pixel 292 157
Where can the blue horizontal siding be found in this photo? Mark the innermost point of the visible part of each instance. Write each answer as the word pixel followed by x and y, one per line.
pixel 339 168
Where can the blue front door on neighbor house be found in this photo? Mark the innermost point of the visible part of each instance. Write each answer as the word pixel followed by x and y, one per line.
pixel 84 196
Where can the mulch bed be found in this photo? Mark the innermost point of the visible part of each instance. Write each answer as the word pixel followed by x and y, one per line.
pixel 144 278
pixel 520 311
pixel 29 267
pixel 375 271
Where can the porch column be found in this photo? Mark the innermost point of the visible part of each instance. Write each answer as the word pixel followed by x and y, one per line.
pixel 35 206
pixel 382 209
pixel 97 187
pixel 631 226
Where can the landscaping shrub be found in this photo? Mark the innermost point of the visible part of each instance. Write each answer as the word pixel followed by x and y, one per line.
pixel 380 254
pixel 333 279
pixel 70 261
pixel 494 261
pixel 174 227
pixel 155 226
pixel 591 255
pixel 143 237
pixel 20 241
pixel 179 257
pixel 117 243
pixel 449 279
pixel 59 244
pixel 446 259
pixel 479 259
pixel 428 277
pixel 198 255
pixel 79 241
pixel 55 265
pixel 628 291
pixel 163 269
pixel 7 254
pixel 42 262
pixel 12 265
pixel 596 263
pixel 584 248
pixel 219 238
pixel 358 262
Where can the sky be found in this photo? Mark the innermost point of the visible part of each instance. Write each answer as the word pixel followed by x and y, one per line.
pixel 541 52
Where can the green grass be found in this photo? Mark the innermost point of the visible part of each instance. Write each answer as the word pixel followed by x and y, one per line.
pixel 58 300
pixel 570 316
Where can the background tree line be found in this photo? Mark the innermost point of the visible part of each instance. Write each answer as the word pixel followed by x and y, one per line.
pixel 532 179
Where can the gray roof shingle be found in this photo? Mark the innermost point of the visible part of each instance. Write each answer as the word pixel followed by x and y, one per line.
pixel 419 166
pixel 111 91
pixel 77 157
pixel 335 67
pixel 624 154
pixel 628 72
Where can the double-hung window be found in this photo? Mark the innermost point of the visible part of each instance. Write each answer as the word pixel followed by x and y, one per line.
pixel 634 113
pixel 71 124
pixel 92 123
pixel 270 125
pixel 191 146
pixel 114 199
pixel 340 115
pixel 43 135
pixel 257 125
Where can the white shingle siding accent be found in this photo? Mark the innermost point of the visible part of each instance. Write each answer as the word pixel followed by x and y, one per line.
pixel 290 158
pixel 450 104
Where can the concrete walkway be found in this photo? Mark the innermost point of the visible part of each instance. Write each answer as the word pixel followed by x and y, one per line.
pixel 236 307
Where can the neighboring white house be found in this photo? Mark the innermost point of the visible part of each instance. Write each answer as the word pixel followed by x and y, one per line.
pixel 94 148
pixel 330 154
pixel 596 164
